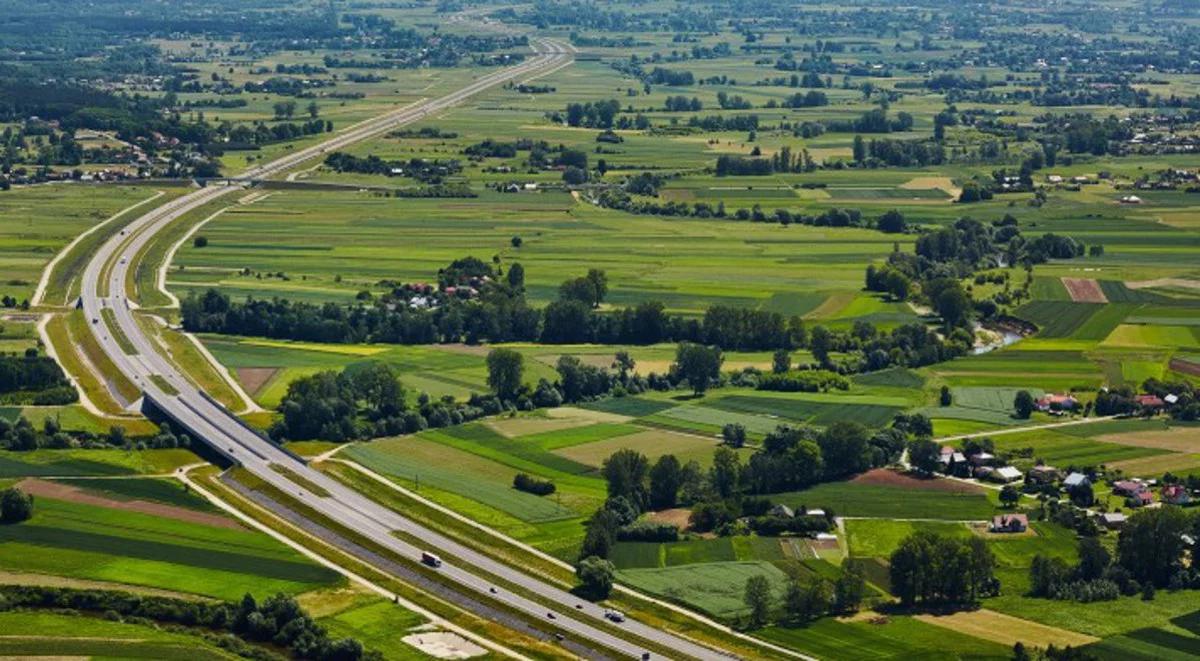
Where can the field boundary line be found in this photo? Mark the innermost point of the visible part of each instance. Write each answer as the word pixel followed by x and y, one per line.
pixel 1016 430
pixel 549 558
pixel 182 475
pixel 44 282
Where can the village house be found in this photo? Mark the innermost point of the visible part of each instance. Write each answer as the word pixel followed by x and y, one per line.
pixel 1128 487
pixel 782 511
pixel 1149 403
pixel 1076 480
pixel 1112 520
pixel 982 459
pixel 1176 494
pixel 1009 523
pixel 1005 474
pixel 1043 474
pixel 1051 402
pixel 1140 499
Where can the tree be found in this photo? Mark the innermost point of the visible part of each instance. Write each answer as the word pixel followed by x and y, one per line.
pixel 953 305
pixel 600 534
pixel 1094 559
pixel 1023 404
pixel 378 390
pixel 781 362
pixel 844 445
pixel 624 364
pixel 924 455
pixel 516 276
pixel 590 289
pixel 595 576
pixel 1009 495
pixel 757 597
pixel 200 242
pixel 726 471
pixel 698 364
pixel 807 600
pixel 626 472
pixel 934 569
pixel 1151 546
pixel 945 398
pixel 734 435
pixel 15 505
pixel 820 343
pixel 313 109
pixel 860 149
pixel 665 479
pixel 574 176
pixel 505 368
pixel 850 588
pixel 891 222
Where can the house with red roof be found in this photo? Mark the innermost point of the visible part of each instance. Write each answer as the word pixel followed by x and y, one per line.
pixel 1176 494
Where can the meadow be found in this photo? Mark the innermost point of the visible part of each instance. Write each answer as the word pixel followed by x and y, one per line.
pixel 74 540
pixel 44 633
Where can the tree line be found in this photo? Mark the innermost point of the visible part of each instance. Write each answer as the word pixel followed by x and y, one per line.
pixel 249 628
pixel 34 379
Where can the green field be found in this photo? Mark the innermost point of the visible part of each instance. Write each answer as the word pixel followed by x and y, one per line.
pixel 898 637
pixel 76 463
pixel 879 501
pixel 41 634
pixel 715 588
pixel 82 541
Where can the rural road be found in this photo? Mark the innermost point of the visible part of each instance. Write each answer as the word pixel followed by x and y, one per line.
pixel 110 316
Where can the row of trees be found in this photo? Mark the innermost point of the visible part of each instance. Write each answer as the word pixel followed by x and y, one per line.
pixel 33 379
pixel 929 569
pixel 278 621
pixel 805 599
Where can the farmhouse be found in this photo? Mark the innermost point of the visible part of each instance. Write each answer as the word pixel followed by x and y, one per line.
pixel 781 510
pixel 1176 494
pixel 1057 403
pixel 1112 520
pixel 1140 499
pixel 1152 403
pixel 1009 523
pixel 1076 480
pixel 1042 474
pixel 1128 487
pixel 983 459
pixel 1005 474
pixel 1131 199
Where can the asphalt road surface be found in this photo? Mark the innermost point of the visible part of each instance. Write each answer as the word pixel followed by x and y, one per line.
pixel 207 421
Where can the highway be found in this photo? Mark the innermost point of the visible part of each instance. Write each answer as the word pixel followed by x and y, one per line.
pixel 171 392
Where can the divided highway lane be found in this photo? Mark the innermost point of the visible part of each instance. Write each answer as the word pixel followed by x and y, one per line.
pixel 225 433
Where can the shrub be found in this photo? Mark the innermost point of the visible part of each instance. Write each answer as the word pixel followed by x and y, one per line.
pixel 648 531
pixel 15 505
pixel 530 484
